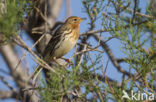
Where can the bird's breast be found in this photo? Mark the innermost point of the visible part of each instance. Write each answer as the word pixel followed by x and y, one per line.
pixel 67 43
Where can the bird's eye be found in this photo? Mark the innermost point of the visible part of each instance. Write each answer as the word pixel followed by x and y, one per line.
pixel 75 19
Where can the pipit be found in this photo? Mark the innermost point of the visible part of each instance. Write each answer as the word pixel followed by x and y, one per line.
pixel 63 40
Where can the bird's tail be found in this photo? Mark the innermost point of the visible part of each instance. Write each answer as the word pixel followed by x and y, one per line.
pixel 38 69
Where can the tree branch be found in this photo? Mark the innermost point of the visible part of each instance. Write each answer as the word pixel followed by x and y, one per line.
pixel 19 74
pixel 8 94
pixel 111 56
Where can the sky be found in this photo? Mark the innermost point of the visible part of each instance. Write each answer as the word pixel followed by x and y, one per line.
pixel 77 10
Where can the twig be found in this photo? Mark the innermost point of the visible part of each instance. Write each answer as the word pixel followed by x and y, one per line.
pixel 41 14
pixel 6 83
pixel 30 49
pixel 40 61
pixel 104 73
pixel 32 88
pixel 81 58
pixel 134 11
pixel 87 50
pixel 111 29
pixel 111 56
pixel 9 94
pixel 137 13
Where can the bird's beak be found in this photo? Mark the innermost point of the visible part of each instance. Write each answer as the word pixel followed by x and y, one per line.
pixel 82 19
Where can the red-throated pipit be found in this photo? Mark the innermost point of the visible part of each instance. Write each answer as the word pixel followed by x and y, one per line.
pixel 63 40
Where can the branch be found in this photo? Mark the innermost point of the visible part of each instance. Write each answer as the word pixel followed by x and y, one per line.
pixel 111 56
pixel 19 74
pixel 6 83
pixel 39 60
pixel 137 13
pixel 122 60
pixel 134 10
pixel 112 29
pixel 45 17
pixel 8 94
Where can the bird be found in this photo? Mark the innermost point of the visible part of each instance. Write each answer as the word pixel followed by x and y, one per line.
pixel 62 41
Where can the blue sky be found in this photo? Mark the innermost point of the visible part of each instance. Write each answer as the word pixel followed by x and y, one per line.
pixel 77 10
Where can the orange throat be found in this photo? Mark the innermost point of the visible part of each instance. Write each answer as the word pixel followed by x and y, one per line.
pixel 76 31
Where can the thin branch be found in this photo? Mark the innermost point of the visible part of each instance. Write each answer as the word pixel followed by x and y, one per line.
pixel 87 50
pixel 8 94
pixel 40 61
pixel 19 75
pixel 6 83
pixel 103 79
pixel 134 11
pixel 30 49
pixel 111 29
pixel 122 60
pixel 81 58
pixel 137 13
pixel 106 67
pixel 41 14
pixel 111 56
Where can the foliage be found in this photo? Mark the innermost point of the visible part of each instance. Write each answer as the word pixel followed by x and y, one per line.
pixel 11 16
pixel 74 79
pixel 140 57
pixel 87 80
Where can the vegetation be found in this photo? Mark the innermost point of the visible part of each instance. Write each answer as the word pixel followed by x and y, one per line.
pixel 90 75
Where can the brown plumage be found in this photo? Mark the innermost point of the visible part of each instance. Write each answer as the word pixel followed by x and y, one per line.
pixel 63 40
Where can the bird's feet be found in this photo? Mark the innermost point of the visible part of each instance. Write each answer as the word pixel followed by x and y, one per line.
pixel 67 60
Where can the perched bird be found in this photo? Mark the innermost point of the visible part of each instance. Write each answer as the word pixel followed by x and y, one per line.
pixel 63 40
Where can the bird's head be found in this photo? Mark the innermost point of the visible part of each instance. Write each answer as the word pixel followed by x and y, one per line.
pixel 74 21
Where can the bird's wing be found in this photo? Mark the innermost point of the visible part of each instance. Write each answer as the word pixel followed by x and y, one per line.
pixel 51 45
pixel 54 42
